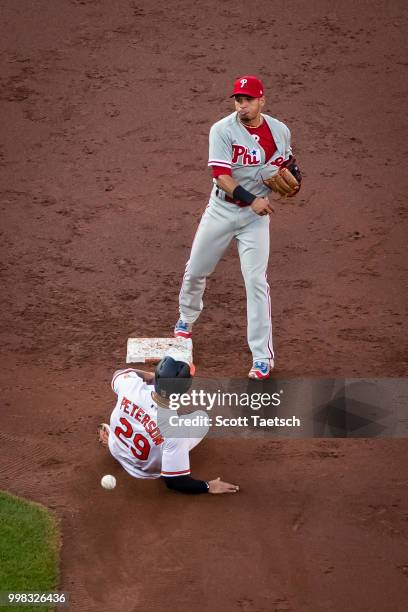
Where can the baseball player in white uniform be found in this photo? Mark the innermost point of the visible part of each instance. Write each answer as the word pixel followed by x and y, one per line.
pixel 139 436
pixel 250 155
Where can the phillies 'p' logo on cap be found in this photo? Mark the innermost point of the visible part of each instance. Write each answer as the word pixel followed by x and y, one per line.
pixel 248 86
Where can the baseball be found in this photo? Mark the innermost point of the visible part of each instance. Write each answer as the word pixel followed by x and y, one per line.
pixel 108 482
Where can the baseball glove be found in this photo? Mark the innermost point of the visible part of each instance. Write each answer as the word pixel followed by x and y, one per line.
pixel 287 180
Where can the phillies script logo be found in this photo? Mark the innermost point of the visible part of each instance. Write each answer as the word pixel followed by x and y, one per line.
pixel 243 155
pixel 249 158
pixel 277 162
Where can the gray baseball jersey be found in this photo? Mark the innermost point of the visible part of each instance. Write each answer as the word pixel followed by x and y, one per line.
pixel 233 147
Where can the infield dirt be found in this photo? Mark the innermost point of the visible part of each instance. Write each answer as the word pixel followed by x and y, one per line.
pixel 105 112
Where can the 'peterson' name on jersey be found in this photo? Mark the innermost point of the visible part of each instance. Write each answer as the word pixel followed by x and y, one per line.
pixel 139 414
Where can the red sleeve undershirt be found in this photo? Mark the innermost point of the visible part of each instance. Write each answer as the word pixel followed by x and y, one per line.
pixel 266 141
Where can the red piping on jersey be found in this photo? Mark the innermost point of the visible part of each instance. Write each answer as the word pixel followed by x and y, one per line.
pixel 175 473
pixel 219 162
pixel 270 320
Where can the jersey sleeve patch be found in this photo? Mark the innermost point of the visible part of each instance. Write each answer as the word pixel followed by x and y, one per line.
pixel 121 376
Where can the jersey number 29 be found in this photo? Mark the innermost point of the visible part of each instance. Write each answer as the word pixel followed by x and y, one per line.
pixel 140 446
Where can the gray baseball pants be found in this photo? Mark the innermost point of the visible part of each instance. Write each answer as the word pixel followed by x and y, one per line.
pixel 221 222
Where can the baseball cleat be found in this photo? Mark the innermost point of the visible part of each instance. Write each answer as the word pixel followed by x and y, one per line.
pixel 261 370
pixel 103 432
pixel 182 329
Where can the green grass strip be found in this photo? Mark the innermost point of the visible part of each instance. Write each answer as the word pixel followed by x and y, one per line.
pixel 29 549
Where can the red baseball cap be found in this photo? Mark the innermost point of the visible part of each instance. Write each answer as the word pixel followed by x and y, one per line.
pixel 248 86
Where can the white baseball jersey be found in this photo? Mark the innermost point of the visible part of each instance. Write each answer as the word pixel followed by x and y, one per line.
pixel 136 440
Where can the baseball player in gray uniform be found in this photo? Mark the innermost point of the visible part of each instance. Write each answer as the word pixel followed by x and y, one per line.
pixel 250 156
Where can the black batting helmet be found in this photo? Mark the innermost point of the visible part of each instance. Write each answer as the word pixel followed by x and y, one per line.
pixel 172 376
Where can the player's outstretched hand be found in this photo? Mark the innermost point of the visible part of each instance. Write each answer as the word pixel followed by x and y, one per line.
pixel 218 486
pixel 262 206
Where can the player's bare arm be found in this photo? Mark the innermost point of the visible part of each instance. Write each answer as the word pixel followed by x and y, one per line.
pixel 148 377
pixel 218 486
